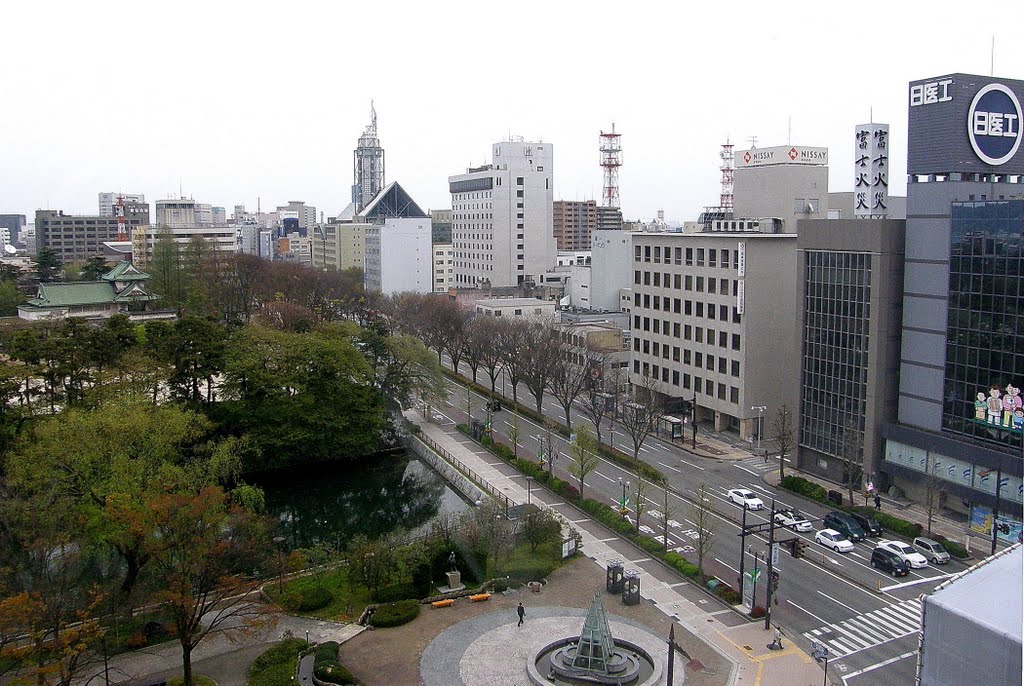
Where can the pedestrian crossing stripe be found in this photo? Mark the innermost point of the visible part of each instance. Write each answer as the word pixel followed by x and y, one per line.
pixel 869 629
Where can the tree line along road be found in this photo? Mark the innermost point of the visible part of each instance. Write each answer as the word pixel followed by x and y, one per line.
pixel 834 600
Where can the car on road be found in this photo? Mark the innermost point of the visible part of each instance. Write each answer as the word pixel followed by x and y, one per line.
pixel 932 550
pixel 745 498
pixel 888 561
pixel 792 519
pixel 844 524
pixel 830 538
pixel 870 526
pixel 494 406
pixel 913 558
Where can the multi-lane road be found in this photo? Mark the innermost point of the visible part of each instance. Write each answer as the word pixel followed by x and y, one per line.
pixel 868 621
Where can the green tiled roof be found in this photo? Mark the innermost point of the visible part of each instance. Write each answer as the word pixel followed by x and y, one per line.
pixel 79 293
pixel 125 271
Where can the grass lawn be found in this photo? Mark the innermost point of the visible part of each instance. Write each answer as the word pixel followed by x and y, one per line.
pixel 197 680
pixel 346 603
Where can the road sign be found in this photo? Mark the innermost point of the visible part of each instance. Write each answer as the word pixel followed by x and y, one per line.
pixel 775 554
pixel 748 591
pixel 755 574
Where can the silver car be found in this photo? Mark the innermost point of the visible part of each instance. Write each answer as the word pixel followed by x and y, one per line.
pixel 932 550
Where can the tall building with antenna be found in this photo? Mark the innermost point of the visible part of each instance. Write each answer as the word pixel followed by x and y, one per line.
pixel 368 165
pixel 611 160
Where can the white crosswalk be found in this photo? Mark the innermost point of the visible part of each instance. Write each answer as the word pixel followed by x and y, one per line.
pixel 869 629
pixel 759 465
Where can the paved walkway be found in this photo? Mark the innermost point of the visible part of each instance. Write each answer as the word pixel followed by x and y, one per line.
pixel 742 643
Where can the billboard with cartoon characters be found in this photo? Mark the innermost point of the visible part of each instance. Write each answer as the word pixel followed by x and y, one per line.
pixel 1001 408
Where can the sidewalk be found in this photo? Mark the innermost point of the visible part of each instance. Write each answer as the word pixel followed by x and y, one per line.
pixel 741 643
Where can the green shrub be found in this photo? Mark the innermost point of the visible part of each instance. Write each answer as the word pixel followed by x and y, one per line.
pixel 334 673
pixel 527 573
pixel 566 490
pixel 725 592
pixel 390 594
pixel 314 598
pixel 649 545
pixel 758 611
pixel 952 547
pixel 395 614
pixel 901 527
pixel 326 652
pixel 806 488
pixel 280 674
pixel 286 651
pixel 504 452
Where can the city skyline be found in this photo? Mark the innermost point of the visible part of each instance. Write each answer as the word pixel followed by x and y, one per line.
pixel 226 121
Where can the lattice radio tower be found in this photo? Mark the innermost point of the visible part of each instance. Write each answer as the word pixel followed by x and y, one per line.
pixel 611 160
pixel 728 168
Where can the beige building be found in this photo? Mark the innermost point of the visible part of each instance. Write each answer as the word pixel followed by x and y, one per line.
pixel 713 320
pixel 145 238
pixel 573 222
pixel 444 267
pixel 516 307
pixel 339 246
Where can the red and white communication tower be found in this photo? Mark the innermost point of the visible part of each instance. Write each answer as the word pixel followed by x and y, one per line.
pixel 611 160
pixel 122 229
pixel 728 168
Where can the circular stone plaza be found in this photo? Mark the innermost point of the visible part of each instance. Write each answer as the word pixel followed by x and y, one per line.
pixel 492 650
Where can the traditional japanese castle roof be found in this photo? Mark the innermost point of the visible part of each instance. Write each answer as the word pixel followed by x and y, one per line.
pixel 103 290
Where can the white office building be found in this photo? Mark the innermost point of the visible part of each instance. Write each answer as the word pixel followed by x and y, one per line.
pixel 399 256
pixel 107 201
pixel 502 217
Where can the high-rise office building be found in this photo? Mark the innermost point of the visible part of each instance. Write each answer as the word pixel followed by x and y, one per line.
pixel 501 217
pixel 79 237
pixel 960 418
pixel 573 223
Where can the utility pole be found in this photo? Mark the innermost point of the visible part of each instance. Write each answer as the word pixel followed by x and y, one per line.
pixel 743 546
pixel 671 654
pixel 693 420
pixel 771 554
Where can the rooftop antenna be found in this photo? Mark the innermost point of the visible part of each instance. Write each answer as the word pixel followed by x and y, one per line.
pixel 992 63
pixel 789 131
pixel 753 141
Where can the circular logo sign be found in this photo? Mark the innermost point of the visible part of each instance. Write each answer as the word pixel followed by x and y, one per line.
pixel 993 124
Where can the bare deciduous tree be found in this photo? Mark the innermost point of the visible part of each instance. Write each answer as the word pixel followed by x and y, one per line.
pixel 641 499
pixel 541 351
pixel 666 512
pixel 704 520
pixel 783 435
pixel 640 417
pixel 514 430
pixel 851 447
pixel 511 347
pixel 934 492
pixel 570 374
pixel 584 455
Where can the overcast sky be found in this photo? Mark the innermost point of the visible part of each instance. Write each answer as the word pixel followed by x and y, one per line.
pixel 237 101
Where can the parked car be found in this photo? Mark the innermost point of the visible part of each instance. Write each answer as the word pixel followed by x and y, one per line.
pixel 792 520
pixel 745 498
pixel 844 524
pixel 870 526
pixel 913 558
pixel 888 561
pixel 932 550
pixel 494 406
pixel 830 538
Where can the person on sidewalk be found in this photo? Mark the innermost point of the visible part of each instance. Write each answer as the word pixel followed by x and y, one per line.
pixel 522 613
pixel 878 502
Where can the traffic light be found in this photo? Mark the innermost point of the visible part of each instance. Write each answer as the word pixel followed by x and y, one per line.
pixel 798 547
pixel 773 582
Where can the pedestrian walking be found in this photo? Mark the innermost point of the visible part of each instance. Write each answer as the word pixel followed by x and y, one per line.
pixel 522 613
pixel 878 502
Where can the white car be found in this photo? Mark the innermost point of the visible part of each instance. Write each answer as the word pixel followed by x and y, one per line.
pixel 745 498
pixel 792 520
pixel 914 559
pixel 830 538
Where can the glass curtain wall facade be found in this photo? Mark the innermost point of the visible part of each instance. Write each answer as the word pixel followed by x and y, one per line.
pixel 985 341
pixel 835 352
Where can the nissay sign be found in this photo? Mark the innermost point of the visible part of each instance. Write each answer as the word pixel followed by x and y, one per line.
pixel 965 123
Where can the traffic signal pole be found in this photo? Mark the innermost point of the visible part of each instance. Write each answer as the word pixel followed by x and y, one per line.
pixel 743 546
pixel 770 583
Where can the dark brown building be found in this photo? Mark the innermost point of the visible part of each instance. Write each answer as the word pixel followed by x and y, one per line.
pixel 573 222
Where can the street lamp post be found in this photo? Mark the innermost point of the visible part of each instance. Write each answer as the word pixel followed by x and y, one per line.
pixel 760 424
pixel 622 503
pixel 693 418
pixel 529 488
pixel 278 540
pixel 820 653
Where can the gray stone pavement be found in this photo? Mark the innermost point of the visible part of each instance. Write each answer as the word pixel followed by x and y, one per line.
pixel 743 644
pixel 225 660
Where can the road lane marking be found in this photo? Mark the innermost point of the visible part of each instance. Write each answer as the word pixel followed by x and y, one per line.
pixel 748 471
pixel 603 476
pixel 806 611
pixel 691 464
pixel 836 601
pixel 926 579
pixel 878 665
pixel 726 565
pixel 668 466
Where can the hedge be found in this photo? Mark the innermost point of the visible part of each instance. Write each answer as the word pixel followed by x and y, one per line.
pixel 952 547
pixel 899 526
pixel 390 594
pixel 284 651
pixel 526 573
pixel 281 674
pixel 326 666
pixel 395 614
pixel 806 488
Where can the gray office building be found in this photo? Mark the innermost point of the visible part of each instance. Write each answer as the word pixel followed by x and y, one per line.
pixel 79 237
pixel 14 223
pixel 850 301
pixel 960 417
